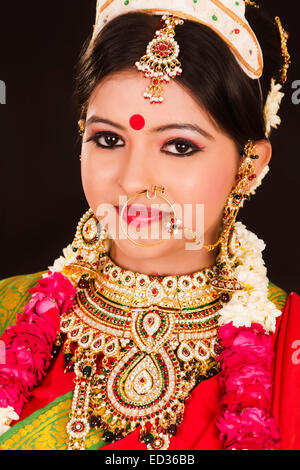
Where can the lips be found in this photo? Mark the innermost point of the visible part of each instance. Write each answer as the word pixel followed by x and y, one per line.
pixel 140 214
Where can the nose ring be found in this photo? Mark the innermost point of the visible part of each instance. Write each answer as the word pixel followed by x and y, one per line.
pixel 153 190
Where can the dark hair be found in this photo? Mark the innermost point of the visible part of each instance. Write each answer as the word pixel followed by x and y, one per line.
pixel 211 72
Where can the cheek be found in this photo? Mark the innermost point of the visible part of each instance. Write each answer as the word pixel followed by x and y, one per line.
pixel 208 184
pixel 97 179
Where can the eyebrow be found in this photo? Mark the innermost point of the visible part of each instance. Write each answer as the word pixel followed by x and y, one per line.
pixel 186 126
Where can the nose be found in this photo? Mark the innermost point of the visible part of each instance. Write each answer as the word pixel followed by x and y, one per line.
pixel 137 171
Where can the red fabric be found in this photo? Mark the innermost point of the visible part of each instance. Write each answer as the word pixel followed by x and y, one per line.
pixel 198 430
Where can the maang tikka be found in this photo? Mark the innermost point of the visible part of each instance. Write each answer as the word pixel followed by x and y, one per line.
pixel 161 59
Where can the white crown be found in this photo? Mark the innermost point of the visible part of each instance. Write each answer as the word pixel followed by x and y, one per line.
pixel 226 18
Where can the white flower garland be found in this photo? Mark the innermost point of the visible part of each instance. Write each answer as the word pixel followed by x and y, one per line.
pixel 7 415
pixel 272 107
pixel 251 305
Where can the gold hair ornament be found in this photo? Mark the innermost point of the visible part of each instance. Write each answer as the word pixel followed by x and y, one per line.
pixel 274 98
pixel 160 61
pixel 252 4
pixel 285 53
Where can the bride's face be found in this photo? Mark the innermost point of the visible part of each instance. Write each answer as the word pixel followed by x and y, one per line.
pixel 130 145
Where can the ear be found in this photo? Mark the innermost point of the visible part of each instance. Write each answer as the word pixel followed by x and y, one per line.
pixel 264 150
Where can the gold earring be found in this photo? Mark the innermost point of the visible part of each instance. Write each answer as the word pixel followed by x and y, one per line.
pixel 90 245
pixel 81 125
pixel 225 279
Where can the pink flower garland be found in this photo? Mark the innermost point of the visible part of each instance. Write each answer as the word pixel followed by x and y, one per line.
pixel 30 341
pixel 246 420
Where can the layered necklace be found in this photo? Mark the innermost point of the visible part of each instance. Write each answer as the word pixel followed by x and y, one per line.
pixel 138 344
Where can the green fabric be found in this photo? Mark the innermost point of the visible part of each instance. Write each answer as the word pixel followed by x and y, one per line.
pixel 45 429
pixel 14 295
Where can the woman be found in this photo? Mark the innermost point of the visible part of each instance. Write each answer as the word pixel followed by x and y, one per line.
pixel 162 315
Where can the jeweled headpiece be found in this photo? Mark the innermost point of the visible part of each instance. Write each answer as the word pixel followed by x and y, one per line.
pixel 226 18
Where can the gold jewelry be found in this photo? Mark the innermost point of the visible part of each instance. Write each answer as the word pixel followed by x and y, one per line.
pixel 154 189
pixel 90 243
pixel 225 279
pixel 158 335
pixel 253 4
pixel 285 54
pixel 81 125
pixel 160 61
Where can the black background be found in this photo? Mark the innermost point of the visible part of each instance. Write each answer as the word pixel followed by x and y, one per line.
pixel 41 193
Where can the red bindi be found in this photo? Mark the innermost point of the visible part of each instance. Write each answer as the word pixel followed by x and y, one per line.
pixel 137 122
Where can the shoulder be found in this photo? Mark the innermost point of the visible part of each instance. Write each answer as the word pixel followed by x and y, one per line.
pixel 14 295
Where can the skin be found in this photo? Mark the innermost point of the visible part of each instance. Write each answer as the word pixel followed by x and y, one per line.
pixel 138 161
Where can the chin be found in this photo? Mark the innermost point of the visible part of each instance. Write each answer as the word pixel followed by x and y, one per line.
pixel 131 250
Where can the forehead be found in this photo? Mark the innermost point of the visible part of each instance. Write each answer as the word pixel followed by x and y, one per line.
pixel 121 96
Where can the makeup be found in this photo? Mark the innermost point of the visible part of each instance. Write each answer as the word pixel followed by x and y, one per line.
pixel 137 122
pixel 141 215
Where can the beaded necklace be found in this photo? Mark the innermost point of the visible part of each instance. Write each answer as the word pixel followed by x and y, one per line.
pixel 138 344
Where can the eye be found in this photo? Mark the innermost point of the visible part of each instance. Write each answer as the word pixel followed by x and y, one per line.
pixel 181 147
pixel 107 140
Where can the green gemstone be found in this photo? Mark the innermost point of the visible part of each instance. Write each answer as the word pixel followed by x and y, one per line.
pixel 148 438
pixel 215 18
pixel 87 371
pixel 126 2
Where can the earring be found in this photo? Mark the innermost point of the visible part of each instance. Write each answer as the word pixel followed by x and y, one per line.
pixel 81 125
pixel 90 245
pixel 224 279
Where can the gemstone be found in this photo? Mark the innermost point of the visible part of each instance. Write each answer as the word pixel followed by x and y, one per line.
pixel 148 438
pixel 119 435
pixel 55 350
pixel 68 357
pixel 172 429
pixel 108 436
pixel 87 371
pixel 211 372
pixel 95 421
pixel 225 297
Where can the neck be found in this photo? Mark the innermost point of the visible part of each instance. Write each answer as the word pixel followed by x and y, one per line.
pixel 178 263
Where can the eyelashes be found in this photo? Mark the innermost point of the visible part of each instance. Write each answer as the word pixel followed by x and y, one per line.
pixel 109 140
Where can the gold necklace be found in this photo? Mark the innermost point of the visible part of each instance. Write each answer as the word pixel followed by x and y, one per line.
pixel 139 344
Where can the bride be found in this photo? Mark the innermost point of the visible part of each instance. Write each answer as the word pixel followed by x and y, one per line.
pixel 160 311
